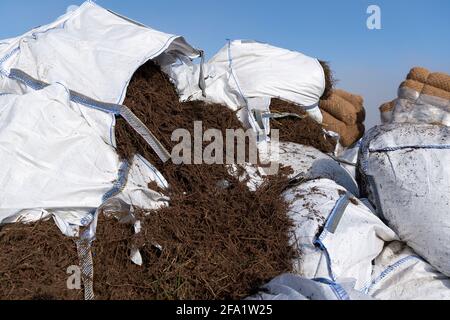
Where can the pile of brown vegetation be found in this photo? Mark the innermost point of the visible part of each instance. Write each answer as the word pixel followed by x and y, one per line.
pixel 342 112
pixel 302 131
pixel 216 240
pixel 219 240
pixel 204 246
pixel 34 261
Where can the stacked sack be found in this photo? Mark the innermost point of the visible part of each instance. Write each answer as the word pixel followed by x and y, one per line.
pixel 245 75
pixel 423 98
pixel 347 253
pixel 405 178
pixel 404 172
pixel 344 114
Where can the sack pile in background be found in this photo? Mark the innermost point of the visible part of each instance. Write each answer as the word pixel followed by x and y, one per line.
pixel 424 97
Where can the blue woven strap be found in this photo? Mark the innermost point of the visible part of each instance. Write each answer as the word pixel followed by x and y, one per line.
pixel 116 109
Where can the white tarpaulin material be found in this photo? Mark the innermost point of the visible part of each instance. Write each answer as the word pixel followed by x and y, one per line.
pixel 262 70
pixel 54 163
pixel 406 174
pixel 336 235
pixel 93 52
pixel 400 274
pixel 248 74
pixel 58 148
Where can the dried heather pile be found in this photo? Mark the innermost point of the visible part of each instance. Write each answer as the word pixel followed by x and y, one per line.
pixel 34 261
pixel 302 131
pixel 219 241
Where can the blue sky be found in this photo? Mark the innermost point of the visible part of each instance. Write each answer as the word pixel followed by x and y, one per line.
pixel 369 62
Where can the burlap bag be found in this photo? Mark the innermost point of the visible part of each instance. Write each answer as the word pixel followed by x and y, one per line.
pixel 355 100
pixel 344 114
pixel 388 106
pixel 340 108
pixel 413 84
pixel 418 74
pixel 349 133
pixel 423 102
pixel 432 91
pixel 426 89
pixel 438 79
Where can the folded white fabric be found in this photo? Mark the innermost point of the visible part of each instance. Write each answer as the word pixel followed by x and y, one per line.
pixel 94 51
pixel 53 162
pixel 336 235
pixel 414 107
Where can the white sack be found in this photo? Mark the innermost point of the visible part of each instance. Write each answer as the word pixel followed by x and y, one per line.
pixel 292 287
pixel 54 163
pixel 336 235
pixel 92 51
pixel 400 274
pixel 406 174
pixel 246 70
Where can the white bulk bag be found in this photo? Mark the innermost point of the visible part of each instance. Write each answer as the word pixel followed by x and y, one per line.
pixel 262 70
pixel 95 52
pixel 292 287
pixel 54 163
pixel 406 175
pixel 248 74
pixel 336 235
pixel 400 274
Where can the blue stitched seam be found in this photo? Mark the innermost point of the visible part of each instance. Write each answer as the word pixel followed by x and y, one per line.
pixel 388 271
pixel 158 175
